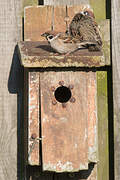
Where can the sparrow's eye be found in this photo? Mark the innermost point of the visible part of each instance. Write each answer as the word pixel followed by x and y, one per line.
pixel 86 13
pixel 50 36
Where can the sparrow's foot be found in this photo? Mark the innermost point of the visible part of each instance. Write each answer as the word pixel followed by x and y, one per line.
pixel 67 54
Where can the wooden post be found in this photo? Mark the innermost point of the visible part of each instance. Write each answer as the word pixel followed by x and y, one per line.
pixel 116 83
pixel 11 114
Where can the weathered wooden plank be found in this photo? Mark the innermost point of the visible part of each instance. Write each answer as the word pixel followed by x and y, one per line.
pixel 92 117
pixel 64 143
pixel 102 105
pixel 28 3
pixel 33 119
pixel 116 82
pixel 98 6
pixel 10 78
pixel 38 19
pixel 60 14
pixel 60 152
pixel 65 2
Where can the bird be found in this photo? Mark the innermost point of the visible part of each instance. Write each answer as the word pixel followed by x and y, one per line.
pixel 84 27
pixel 83 32
pixel 62 46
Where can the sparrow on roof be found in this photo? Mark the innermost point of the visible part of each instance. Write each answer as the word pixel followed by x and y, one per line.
pixel 84 27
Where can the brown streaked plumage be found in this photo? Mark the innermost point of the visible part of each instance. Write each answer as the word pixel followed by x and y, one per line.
pixel 84 28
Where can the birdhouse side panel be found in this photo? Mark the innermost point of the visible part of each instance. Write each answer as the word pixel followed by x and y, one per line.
pixel 33 119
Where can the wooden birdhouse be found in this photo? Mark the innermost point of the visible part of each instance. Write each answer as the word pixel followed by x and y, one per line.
pixel 65 97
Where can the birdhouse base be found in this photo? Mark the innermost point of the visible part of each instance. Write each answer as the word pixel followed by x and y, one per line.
pixel 40 54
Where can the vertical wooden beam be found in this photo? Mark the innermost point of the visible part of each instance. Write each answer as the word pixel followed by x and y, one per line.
pixel 33 119
pixel 116 82
pixel 10 85
pixel 103 164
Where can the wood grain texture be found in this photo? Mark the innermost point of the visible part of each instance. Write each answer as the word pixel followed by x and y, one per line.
pixel 66 145
pixel 38 19
pixel 10 78
pixel 116 82
pixel 92 117
pixel 64 2
pixel 99 6
pixel 33 119
pixel 40 54
pixel 65 142
pixel 102 107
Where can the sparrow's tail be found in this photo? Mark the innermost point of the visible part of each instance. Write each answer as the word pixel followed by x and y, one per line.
pixel 85 44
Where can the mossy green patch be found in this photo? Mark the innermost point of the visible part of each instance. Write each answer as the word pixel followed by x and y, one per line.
pixel 99 8
pixel 28 3
pixel 102 105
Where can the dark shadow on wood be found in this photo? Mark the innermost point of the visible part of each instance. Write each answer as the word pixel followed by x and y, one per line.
pixel 108 9
pixel 35 172
pixel 40 2
pixel 110 125
pixel 110 101
pixel 15 86
pixel 23 28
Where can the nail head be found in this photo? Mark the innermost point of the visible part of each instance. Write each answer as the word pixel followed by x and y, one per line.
pixel 72 100
pixel 61 83
pixel 54 102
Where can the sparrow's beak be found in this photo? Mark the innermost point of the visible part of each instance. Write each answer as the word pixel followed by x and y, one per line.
pixel 43 34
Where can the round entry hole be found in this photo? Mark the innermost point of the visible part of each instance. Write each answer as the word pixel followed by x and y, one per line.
pixel 62 94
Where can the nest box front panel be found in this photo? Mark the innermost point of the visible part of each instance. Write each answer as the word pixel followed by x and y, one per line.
pixel 68 120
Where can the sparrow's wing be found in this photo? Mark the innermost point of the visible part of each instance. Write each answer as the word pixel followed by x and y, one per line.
pixel 88 31
pixel 84 28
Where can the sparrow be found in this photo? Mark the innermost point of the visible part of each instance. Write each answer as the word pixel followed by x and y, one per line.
pixel 62 46
pixel 84 27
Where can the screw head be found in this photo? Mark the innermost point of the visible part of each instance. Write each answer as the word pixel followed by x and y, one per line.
pixel 54 102
pixel 33 136
pixel 71 86
pixel 53 88
pixel 72 100
pixel 61 83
